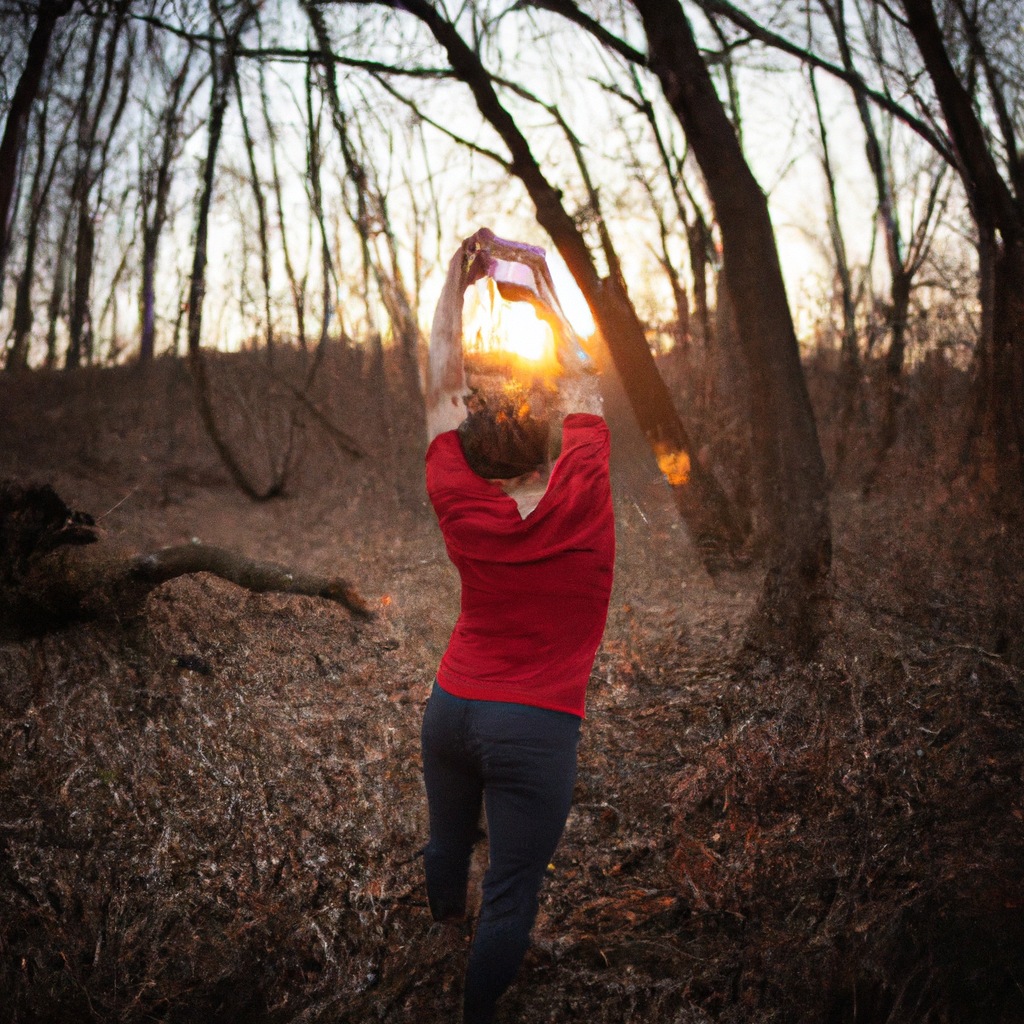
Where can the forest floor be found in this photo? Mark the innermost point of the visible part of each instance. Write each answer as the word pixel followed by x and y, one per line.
pixel 213 812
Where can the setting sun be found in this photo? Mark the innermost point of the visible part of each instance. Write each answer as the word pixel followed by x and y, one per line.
pixel 493 326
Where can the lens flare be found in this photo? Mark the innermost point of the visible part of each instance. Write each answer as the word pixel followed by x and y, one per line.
pixel 675 464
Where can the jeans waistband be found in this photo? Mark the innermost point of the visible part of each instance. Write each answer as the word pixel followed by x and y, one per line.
pixel 443 695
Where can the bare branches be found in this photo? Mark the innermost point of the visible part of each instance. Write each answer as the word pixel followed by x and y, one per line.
pixel 855 81
pixel 211 42
pixel 567 9
pixel 20 108
pixel 420 116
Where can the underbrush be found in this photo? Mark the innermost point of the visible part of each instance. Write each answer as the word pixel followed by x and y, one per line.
pixel 215 814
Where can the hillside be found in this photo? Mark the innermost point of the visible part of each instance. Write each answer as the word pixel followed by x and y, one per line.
pixel 213 813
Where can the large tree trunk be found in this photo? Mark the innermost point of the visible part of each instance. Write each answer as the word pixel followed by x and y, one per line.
pixel 47 17
pixel 702 503
pixel 787 451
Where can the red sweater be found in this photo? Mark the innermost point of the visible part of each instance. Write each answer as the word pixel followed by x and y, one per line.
pixel 534 591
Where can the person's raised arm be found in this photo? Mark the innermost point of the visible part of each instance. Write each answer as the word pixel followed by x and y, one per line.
pixel 580 392
pixel 446 379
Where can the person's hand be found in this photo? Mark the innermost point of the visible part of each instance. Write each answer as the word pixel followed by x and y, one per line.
pixel 476 256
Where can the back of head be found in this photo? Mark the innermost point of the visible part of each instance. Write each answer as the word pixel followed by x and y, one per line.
pixel 501 439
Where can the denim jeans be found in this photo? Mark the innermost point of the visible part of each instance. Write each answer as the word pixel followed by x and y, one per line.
pixel 520 762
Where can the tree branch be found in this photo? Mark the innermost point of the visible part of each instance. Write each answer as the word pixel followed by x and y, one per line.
pixel 769 38
pixel 570 11
pixel 420 116
pixel 290 53
pixel 259 577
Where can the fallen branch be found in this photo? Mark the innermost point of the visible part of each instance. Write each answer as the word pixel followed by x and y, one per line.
pixel 55 569
pixel 259 577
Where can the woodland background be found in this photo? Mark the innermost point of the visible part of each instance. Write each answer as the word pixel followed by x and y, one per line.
pixel 224 231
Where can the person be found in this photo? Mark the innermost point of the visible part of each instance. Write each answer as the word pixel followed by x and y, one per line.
pixel 535 553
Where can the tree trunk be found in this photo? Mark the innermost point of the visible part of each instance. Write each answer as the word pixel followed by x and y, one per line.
pixel 158 193
pixel 21 324
pixel 789 462
pixel 79 327
pixel 18 112
pixel 697 239
pixel 849 355
pixel 148 295
pixel 298 289
pixel 892 374
pixel 222 75
pixel 700 499
pixel 371 206
pixel 980 428
pixel 53 307
pixel 17 357
pixel 995 208
pixel 261 215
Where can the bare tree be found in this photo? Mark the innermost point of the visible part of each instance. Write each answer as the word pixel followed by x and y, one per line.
pixel 988 161
pixel 261 214
pixel 790 468
pixel 997 203
pixel 904 262
pixel 849 349
pixel 48 13
pixel 297 285
pixel 155 184
pixel 58 287
pixel 370 217
pixel 222 73
pixel 89 174
pixel 42 180
pixel 788 455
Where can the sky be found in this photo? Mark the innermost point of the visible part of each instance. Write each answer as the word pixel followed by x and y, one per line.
pixel 438 192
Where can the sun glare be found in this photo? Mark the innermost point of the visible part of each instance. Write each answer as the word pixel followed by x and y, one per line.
pixel 575 307
pixel 492 326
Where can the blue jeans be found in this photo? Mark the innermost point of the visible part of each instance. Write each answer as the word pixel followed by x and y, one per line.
pixel 519 761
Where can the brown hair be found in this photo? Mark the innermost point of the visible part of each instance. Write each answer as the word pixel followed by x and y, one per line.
pixel 501 439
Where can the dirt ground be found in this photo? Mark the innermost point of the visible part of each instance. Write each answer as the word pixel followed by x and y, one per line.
pixel 213 812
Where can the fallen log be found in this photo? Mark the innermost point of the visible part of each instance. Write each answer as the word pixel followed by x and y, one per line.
pixel 56 569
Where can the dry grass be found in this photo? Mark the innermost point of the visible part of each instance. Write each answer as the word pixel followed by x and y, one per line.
pixel 215 815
